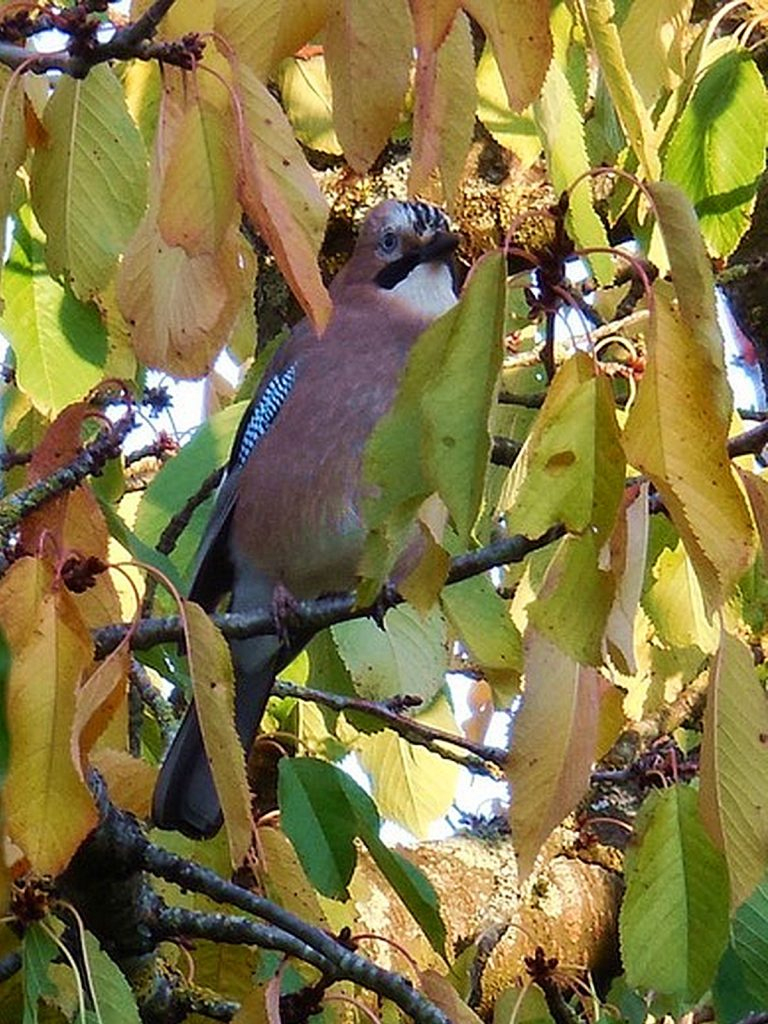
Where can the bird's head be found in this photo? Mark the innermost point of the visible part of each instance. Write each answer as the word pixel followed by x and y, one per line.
pixel 406 249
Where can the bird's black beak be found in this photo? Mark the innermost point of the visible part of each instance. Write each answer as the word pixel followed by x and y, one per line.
pixel 441 246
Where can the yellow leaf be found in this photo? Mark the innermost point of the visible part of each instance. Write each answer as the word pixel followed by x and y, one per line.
pixel 97 700
pixel 213 683
pixel 131 781
pixel 197 197
pixel 677 434
pixel 410 784
pixel 441 992
pixel 263 34
pixel 600 19
pixel 565 700
pixel 48 807
pixel 286 882
pixel 368 49
pixel 13 134
pixel 628 548
pixel 521 41
pixel 280 195
pixel 571 468
pixel 181 308
pixel 734 766
pixel 444 111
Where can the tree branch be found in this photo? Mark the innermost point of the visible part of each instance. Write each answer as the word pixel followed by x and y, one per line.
pixel 84 51
pixel 90 462
pixel 326 611
pixel 480 756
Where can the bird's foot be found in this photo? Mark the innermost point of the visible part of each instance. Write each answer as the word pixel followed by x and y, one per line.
pixel 387 598
pixel 285 613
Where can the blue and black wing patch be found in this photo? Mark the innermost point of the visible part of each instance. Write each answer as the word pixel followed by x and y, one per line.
pixel 261 415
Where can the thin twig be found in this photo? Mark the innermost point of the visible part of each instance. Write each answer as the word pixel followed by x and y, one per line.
pixel 89 462
pixel 480 756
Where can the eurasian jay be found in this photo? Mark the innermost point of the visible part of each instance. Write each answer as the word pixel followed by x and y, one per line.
pixel 288 514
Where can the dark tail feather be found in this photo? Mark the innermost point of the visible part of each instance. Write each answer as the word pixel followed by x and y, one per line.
pixel 185 797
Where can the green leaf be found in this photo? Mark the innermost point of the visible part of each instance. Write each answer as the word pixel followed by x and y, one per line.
pixel 323 812
pixel 513 131
pixel 453 365
pixel 741 986
pixel 483 623
pixel 674 919
pixel 575 599
pixel 675 604
pixel 717 150
pixel 653 39
pixel 409 656
pixel 37 951
pixel 306 93
pixel 561 127
pixel 89 182
pixel 137 548
pixel 571 469
pixel 734 766
pixel 60 343
pixel 600 17
pixel 114 996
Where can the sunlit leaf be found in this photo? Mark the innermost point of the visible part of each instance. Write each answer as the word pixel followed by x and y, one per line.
pixel 653 38
pixel 14 136
pixel 717 149
pixel 89 181
pixel 681 445
pixel 675 604
pixel 409 656
pixel 599 17
pixel 571 469
pixel 213 682
pixel 306 94
pixel 482 621
pixel 734 766
pixel 562 699
pixel 561 128
pixel 49 808
pixel 181 308
pixel 575 598
pixel 368 55
pixel 628 549
pixel 59 342
pixel 516 132
pixel 523 56
pixel 411 785
pixel 674 919
pixel 197 198
pixel 444 111
pixel 264 33
pixel 278 192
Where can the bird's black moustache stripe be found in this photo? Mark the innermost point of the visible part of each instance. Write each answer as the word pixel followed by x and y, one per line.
pixel 439 250
pixel 391 275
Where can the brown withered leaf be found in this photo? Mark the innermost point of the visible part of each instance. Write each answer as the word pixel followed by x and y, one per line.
pixel 278 192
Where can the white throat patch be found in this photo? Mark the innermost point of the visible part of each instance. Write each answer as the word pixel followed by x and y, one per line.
pixel 427 290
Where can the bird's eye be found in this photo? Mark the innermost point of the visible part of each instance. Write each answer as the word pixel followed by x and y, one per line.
pixel 388 242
